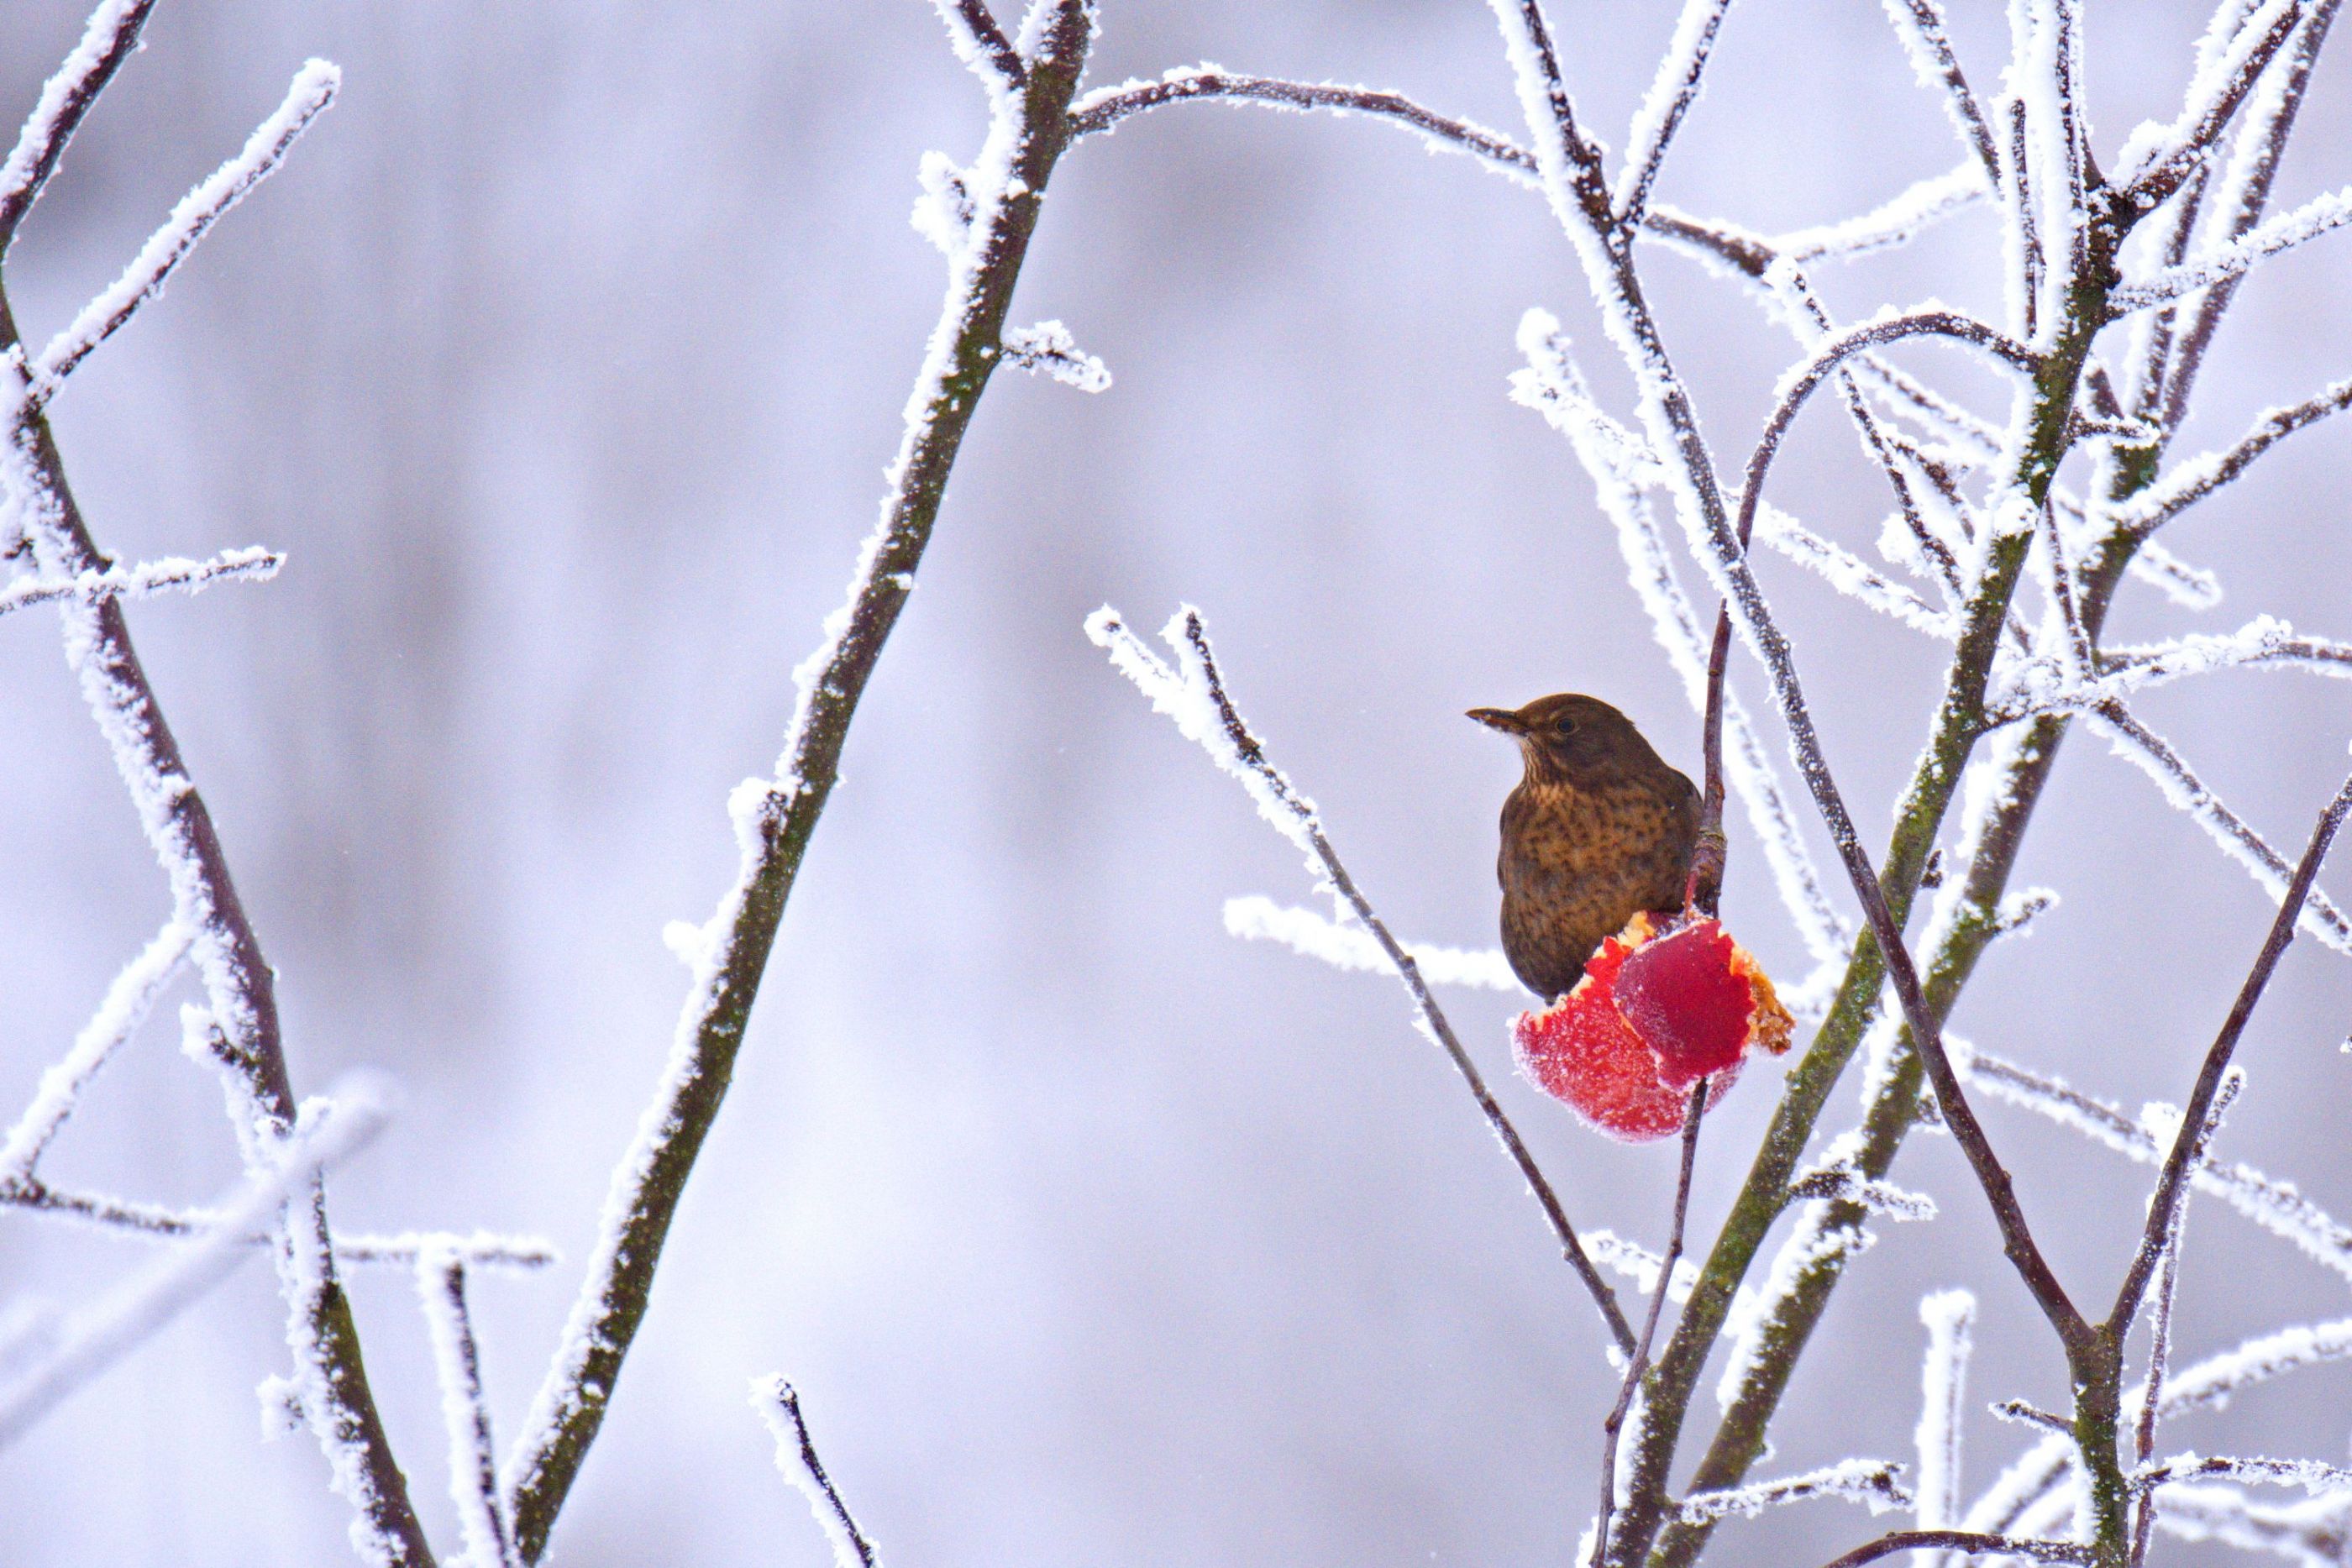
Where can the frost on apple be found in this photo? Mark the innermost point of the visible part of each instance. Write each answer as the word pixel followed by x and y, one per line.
pixel 1656 1012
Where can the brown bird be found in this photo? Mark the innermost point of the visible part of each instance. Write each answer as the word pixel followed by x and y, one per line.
pixel 1600 830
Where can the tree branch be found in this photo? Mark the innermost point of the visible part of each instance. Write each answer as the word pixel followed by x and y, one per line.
pixel 1103 109
pixel 980 44
pixel 111 37
pixel 780 1406
pixel 1638 1364
pixel 312 91
pixel 227 954
pixel 1920 23
pixel 171 574
pixel 1972 1542
pixel 458 1363
pixel 775 818
pixel 2195 1117
pixel 1680 71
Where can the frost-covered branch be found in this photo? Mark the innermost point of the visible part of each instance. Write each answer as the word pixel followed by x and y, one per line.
pixel 1973 1543
pixel 109 38
pixel 325 1132
pixel 241 1005
pixel 1876 1482
pixel 1103 109
pixel 477 1250
pixel 1612 1429
pixel 1307 931
pixel 2311 1475
pixel 1928 43
pixel 171 574
pixel 2044 685
pixel 124 1007
pixel 2157 159
pixel 1567 162
pixel 2275 1206
pixel 2181 788
pixel 1048 349
pixel 2192 481
pixel 1193 694
pixel 1680 71
pixel 1895 222
pixel 457 1362
pixel 313 88
pixel 2196 1117
pixel 2321 215
pixel 774 817
pixel 980 44
pixel 796 1456
pixel 2243 190
pixel 1950 1318
pixel 1851 576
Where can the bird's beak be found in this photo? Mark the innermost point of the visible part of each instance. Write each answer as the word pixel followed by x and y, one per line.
pixel 1500 718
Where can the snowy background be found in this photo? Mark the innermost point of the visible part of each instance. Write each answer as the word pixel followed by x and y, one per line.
pixel 562 361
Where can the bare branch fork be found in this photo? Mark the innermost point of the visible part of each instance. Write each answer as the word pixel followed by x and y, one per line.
pixel 1193 694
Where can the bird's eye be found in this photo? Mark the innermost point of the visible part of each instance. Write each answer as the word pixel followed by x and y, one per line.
pixel 1565 726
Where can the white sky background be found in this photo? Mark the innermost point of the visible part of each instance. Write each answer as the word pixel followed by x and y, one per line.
pixel 562 359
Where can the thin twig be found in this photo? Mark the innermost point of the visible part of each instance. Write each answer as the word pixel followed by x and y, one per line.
pixel 1929 42
pixel 2312 1475
pixel 1974 1543
pixel 980 44
pixel 1639 1362
pixel 1103 109
pixel 458 1363
pixel 2155 174
pixel 312 91
pixel 1680 71
pixel 1878 1483
pixel 2159 1350
pixel 1197 697
pixel 161 1222
pixel 111 37
pixel 172 574
pixel 2320 216
pixel 2196 1115
pixel 126 1005
pixel 796 1456
pixel 1566 161
pixel 2156 756
pixel 2199 477
pixel 2245 191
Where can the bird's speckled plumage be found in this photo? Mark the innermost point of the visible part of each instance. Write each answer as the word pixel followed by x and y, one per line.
pixel 1599 829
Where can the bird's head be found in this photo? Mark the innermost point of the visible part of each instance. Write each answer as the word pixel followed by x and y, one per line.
pixel 1565 735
